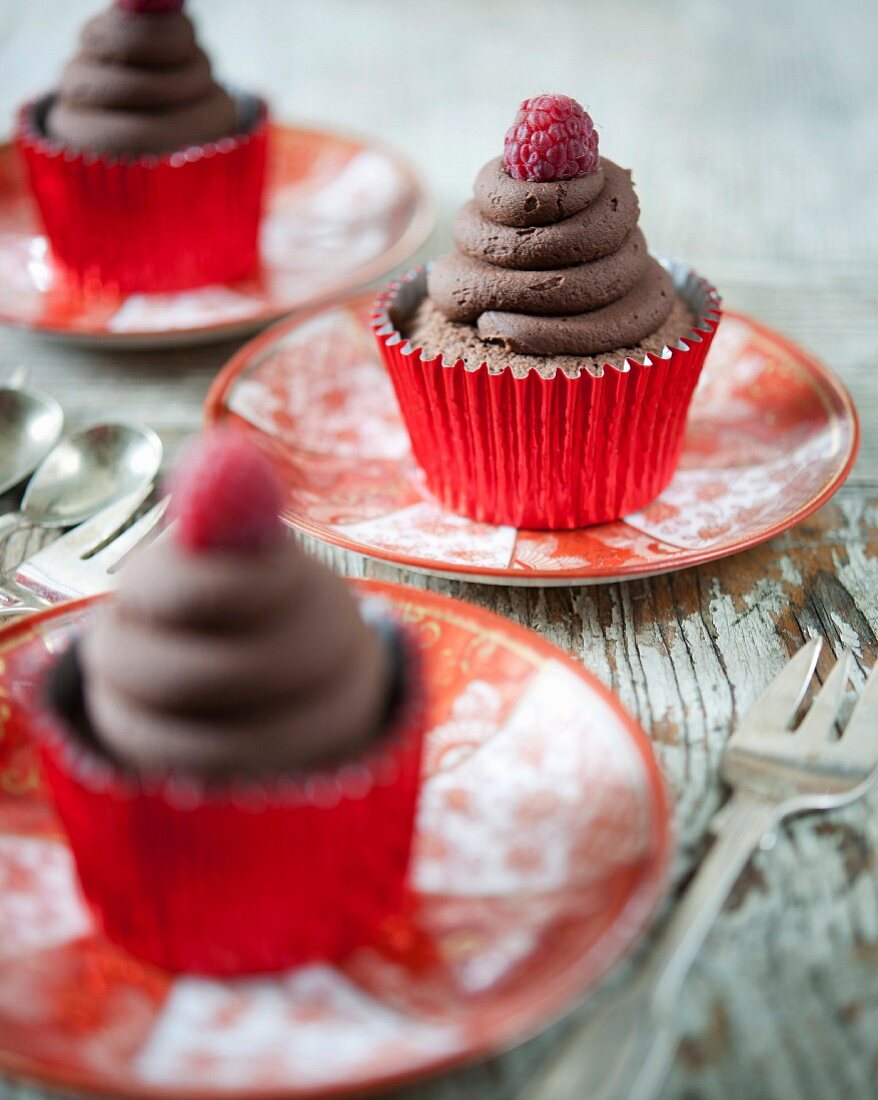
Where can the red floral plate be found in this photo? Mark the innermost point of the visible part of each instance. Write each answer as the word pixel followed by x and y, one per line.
pixel 772 434
pixel 340 211
pixel 542 850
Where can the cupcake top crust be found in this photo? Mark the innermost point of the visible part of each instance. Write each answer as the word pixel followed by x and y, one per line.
pixel 227 649
pixel 549 258
pixel 139 84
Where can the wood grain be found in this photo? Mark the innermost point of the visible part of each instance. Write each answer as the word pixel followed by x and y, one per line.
pixel 751 131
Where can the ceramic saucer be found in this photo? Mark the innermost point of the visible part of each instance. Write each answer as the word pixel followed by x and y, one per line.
pixel 340 211
pixel 772 434
pixel 541 852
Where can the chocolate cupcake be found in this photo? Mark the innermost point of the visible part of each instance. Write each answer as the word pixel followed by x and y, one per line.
pixel 147 173
pixel 233 746
pixel 545 367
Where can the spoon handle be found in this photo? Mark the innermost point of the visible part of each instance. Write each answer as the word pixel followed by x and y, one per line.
pixel 10 523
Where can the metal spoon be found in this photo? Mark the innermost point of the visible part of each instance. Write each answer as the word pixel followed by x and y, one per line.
pixel 86 472
pixel 30 426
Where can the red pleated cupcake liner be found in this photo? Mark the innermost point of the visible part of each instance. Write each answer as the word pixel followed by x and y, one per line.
pixel 246 876
pixel 149 224
pixel 545 453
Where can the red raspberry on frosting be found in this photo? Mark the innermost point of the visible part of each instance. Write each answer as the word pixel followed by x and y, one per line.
pixel 151 7
pixel 552 138
pixel 226 496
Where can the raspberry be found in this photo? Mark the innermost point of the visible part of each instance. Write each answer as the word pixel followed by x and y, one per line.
pixel 226 495
pixel 552 138
pixel 151 7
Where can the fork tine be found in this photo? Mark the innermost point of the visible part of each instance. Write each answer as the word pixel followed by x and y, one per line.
pixel 94 532
pixel 112 556
pixel 776 707
pixel 861 732
pixel 817 724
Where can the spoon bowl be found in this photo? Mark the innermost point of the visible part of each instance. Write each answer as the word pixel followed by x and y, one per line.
pixel 88 471
pixel 30 426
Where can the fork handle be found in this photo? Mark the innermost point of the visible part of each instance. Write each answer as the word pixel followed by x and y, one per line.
pixel 748 821
pixel 626 1048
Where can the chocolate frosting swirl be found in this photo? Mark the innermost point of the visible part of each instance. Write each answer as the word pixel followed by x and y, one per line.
pixel 555 268
pixel 220 664
pixel 140 84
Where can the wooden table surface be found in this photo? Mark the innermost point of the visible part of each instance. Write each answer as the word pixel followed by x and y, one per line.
pixel 751 129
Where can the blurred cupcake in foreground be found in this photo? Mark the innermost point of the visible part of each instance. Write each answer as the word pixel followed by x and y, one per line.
pixel 545 368
pixel 148 174
pixel 234 744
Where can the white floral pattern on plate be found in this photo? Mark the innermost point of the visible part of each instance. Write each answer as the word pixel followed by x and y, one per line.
pixel 304 393
pixel 208 305
pixel 543 803
pixel 312 1026
pixel 428 530
pixel 39 904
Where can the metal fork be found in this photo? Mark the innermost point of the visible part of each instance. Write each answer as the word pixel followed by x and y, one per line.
pixel 626 1050
pixel 83 562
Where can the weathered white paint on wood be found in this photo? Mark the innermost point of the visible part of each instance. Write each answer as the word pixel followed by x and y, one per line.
pixel 750 127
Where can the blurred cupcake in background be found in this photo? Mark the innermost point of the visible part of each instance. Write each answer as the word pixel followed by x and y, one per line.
pixel 147 173
pixel 545 368
pixel 233 745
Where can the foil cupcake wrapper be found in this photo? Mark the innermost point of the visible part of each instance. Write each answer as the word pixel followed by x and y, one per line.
pixel 545 453
pixel 246 876
pixel 149 224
